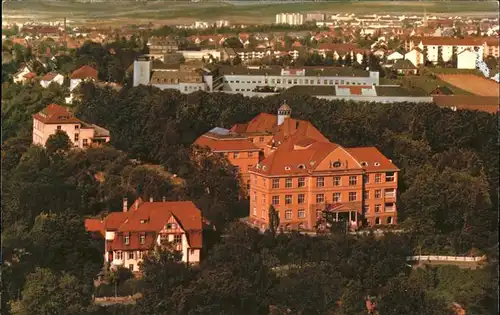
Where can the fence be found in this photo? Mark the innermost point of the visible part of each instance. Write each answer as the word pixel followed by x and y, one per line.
pixel 446 258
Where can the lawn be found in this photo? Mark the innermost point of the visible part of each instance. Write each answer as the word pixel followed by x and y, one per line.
pixel 185 12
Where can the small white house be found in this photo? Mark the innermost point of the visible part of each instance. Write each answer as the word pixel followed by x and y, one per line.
pixel 394 56
pixel 18 77
pixel 51 77
pixel 466 60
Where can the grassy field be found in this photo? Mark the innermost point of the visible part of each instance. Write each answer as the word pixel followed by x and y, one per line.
pixel 186 12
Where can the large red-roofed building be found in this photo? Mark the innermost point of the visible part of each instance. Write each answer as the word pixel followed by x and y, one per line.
pixel 130 234
pixel 301 173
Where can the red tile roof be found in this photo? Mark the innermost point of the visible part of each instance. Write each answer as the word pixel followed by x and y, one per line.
pixel 49 76
pixel 303 157
pixel 268 124
pixel 487 104
pixel 149 218
pixel 223 145
pixel 375 160
pixel 95 226
pixel 56 114
pixel 30 75
pixel 337 47
pixel 444 41
pixel 85 72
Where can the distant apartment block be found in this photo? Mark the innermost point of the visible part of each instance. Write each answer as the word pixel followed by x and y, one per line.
pixel 55 117
pixel 447 46
pixel 290 18
pixel 130 234
pixel 192 77
pixel 159 46
pixel 314 17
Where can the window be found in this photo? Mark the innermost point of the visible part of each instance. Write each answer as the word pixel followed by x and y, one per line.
pixel 335 164
pixel 142 239
pixel 77 136
pixel 131 267
pixel 320 198
pixel 288 199
pixel 264 198
pixel 301 213
pixel 301 198
pixel 126 239
pixel 254 196
pixel 288 214
pixel 336 197
pixel 263 213
pixel 254 212
pixel 192 251
pixel 320 182
pixel 366 179
pixel 366 195
pixel 301 182
pixel 352 196
pixel 276 183
pixel 366 209
pixel 378 194
pixel 85 142
pixel 377 221
pixel 177 239
pixel 77 127
pixel 140 254
pixel 389 220
pixel 390 193
pixel 353 180
pixel 119 255
pixel 377 208
pixel 235 155
pixel 288 183
pixel 58 127
pixel 389 177
pixel 378 178
pixel 261 139
pixel 389 207
pixel 337 181
pixel 130 255
pixel 276 200
pixel 250 154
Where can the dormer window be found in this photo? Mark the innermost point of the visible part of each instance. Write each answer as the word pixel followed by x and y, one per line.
pixel 364 164
pixel 301 166
pixel 264 167
pixel 143 221
pixel 376 164
pixel 335 164
pixel 126 239
pixel 287 168
pixel 142 239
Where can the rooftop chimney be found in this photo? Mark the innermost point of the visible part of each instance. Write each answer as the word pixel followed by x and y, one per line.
pixel 125 204
pixel 150 199
pixel 163 198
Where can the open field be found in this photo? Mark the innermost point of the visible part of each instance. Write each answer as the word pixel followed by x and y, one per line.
pixel 472 83
pixel 165 12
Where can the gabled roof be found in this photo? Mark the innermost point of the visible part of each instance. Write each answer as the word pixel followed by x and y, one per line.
pixel 152 217
pixel 85 72
pixel 374 159
pixel 95 226
pixel 56 114
pixel 301 157
pixel 295 157
pixel 49 76
pixel 267 124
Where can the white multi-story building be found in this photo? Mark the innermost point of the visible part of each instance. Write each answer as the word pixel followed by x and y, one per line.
pixel 290 18
pixel 446 46
pixel 138 229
